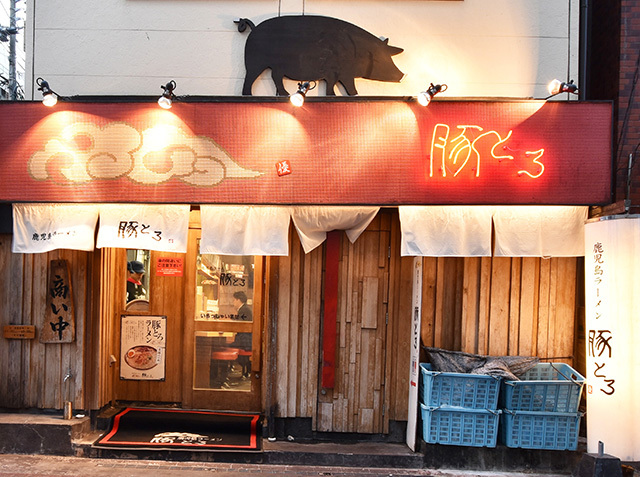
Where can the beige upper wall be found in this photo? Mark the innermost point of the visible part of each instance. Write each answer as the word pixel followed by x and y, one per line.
pixel 503 48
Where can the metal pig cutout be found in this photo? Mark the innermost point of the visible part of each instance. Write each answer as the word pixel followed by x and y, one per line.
pixel 307 47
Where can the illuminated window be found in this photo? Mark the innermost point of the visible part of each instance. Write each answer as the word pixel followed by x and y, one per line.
pixel 224 322
pixel 137 292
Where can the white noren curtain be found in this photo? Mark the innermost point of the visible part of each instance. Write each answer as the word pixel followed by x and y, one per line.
pixel 313 222
pixel 244 229
pixel 445 231
pixel 39 228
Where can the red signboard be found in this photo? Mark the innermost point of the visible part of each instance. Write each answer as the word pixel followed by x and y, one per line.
pixel 169 267
pixel 380 152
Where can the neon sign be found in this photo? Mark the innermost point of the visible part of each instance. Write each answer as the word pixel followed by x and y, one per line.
pixel 460 149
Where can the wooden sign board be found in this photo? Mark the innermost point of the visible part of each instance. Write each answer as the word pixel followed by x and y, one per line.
pixel 59 318
pixel 19 332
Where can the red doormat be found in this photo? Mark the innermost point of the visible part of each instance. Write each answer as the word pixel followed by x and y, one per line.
pixel 177 429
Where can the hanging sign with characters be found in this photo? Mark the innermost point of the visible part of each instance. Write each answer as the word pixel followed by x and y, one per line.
pixel 59 320
pixel 144 227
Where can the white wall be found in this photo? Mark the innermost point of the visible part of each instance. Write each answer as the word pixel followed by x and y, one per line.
pixel 494 48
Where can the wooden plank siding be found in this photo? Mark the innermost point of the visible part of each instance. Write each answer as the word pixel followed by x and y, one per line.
pixel 483 305
pixel 32 373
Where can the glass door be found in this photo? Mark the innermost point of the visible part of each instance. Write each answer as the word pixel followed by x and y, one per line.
pixel 223 331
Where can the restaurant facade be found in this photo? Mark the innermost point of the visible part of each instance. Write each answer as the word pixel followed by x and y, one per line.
pixel 325 220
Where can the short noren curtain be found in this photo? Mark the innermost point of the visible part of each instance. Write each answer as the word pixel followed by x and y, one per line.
pixel 466 231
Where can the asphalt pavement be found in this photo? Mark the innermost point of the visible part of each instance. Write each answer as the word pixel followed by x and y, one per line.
pixel 53 466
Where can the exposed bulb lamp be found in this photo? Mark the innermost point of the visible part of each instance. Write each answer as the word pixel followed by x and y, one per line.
pixel 425 97
pixel 166 100
pixel 557 87
pixel 297 99
pixel 49 97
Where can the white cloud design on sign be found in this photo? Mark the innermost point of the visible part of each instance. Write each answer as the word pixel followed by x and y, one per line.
pixel 85 152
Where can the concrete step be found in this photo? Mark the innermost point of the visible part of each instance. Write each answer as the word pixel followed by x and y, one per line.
pixel 23 433
pixel 351 454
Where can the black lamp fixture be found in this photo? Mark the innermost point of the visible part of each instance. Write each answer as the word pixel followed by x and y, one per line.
pixel 166 100
pixel 297 99
pixel 557 87
pixel 425 97
pixel 49 97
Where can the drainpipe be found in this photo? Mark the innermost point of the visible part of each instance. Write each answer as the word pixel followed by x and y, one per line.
pixel 68 405
pixel 585 28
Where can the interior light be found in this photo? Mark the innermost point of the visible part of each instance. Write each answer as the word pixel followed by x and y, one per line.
pixel 297 99
pixel 166 100
pixel 425 97
pixel 557 87
pixel 49 97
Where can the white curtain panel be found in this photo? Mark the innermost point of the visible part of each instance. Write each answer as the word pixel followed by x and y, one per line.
pixel 445 231
pixel 244 229
pixel 539 231
pixel 313 222
pixel 164 228
pixel 39 228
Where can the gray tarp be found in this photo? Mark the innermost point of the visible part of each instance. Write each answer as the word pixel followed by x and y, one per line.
pixel 508 367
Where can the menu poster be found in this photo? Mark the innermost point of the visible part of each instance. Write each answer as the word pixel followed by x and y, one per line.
pixel 143 347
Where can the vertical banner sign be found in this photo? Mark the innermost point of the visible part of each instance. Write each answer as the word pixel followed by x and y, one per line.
pixel 59 320
pixel 414 372
pixel 612 279
pixel 143 341
pixel 329 333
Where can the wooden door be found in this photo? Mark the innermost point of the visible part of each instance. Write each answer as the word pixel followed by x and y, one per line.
pixel 163 303
pixel 358 401
pixel 222 332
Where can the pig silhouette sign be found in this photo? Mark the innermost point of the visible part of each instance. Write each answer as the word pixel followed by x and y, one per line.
pixel 313 48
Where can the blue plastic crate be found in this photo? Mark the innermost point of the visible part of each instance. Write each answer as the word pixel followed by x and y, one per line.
pixel 460 426
pixel 473 391
pixel 540 430
pixel 547 387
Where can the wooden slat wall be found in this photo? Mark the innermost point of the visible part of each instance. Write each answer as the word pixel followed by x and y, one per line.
pixel 509 306
pixel 297 351
pixel 483 305
pixel 32 373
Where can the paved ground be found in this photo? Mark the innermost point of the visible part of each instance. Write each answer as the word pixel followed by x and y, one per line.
pixel 56 466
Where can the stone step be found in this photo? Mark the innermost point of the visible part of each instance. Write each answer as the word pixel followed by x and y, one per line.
pixel 23 433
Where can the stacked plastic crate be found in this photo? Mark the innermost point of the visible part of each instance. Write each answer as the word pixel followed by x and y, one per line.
pixel 541 410
pixel 458 409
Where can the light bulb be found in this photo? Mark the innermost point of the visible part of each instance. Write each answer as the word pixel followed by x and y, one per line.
pixel 49 100
pixel 297 99
pixel 164 102
pixel 555 87
pixel 424 98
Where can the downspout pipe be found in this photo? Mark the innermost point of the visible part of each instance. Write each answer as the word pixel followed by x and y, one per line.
pixel 585 29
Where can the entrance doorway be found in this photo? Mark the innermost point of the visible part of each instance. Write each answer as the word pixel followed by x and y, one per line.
pixel 359 399
pixel 222 330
